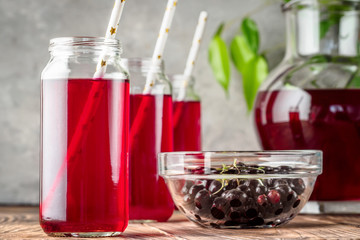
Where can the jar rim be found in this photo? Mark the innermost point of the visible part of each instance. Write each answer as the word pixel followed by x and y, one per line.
pixel 96 43
pixel 142 64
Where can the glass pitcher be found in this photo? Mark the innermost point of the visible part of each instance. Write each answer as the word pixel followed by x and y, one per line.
pixel 312 99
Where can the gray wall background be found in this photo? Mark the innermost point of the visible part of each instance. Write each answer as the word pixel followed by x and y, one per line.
pixel 26 27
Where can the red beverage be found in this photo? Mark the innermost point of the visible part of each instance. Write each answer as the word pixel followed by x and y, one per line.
pixel 187 126
pixel 149 196
pixel 328 120
pixel 86 191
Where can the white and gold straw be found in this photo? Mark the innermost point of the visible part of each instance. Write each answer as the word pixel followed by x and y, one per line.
pixel 194 50
pixel 160 44
pixel 110 34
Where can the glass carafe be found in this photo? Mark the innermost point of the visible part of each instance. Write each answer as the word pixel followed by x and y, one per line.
pixel 312 99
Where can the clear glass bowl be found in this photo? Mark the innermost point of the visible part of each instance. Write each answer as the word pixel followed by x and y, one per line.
pixel 240 189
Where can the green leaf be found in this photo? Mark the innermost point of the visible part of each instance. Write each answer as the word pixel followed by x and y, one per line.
pixel 240 52
pixel 251 33
pixel 324 27
pixel 219 60
pixel 254 75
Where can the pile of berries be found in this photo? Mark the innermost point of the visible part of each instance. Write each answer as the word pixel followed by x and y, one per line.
pixel 240 202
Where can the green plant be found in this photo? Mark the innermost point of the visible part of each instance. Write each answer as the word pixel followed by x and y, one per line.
pixel 244 51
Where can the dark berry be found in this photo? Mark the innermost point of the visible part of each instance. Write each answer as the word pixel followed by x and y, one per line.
pixel 219 208
pixel 244 171
pixel 296 203
pixel 256 221
pixel 202 199
pixel 240 164
pixel 242 181
pixel 298 185
pixel 235 197
pixel 187 185
pixel 253 184
pixel 260 190
pixel 279 182
pixel 279 211
pixel 231 170
pixel 195 189
pixel 234 214
pixel 245 189
pixel 251 212
pixel 274 196
pixel 231 223
pixel 231 184
pixel 270 170
pixel 255 171
pixel 215 186
pixel 285 169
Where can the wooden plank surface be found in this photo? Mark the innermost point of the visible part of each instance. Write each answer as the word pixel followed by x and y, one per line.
pixel 22 223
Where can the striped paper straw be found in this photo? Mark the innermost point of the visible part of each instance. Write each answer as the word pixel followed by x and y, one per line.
pixel 194 50
pixel 160 44
pixel 110 34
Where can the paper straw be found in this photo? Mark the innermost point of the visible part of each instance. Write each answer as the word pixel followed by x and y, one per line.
pixel 160 44
pixel 110 34
pixel 139 120
pixel 92 102
pixel 194 50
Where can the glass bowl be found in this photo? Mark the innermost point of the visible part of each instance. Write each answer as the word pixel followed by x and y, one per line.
pixel 240 189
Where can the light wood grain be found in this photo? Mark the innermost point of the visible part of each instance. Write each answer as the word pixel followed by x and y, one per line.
pixel 22 223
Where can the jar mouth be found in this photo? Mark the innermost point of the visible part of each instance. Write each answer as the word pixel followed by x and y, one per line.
pixel 138 64
pixel 354 5
pixel 178 79
pixel 85 43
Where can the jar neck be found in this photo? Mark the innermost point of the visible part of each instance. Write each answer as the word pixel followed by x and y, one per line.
pixel 82 46
pixel 142 65
pixel 178 81
pixel 315 27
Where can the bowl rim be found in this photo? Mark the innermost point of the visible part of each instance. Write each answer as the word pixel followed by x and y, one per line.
pixel 306 152
pixel 167 166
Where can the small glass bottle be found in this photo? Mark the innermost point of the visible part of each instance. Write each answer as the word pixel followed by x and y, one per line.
pixel 84 140
pixel 150 133
pixel 186 114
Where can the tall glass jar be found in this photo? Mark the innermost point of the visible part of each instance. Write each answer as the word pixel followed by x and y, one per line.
pixel 150 133
pixel 186 114
pixel 312 99
pixel 84 140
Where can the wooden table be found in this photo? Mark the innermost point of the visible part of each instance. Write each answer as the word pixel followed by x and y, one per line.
pixel 22 223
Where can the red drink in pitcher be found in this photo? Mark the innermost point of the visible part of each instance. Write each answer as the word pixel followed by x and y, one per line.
pixel 149 196
pixel 327 119
pixel 187 126
pixel 84 188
